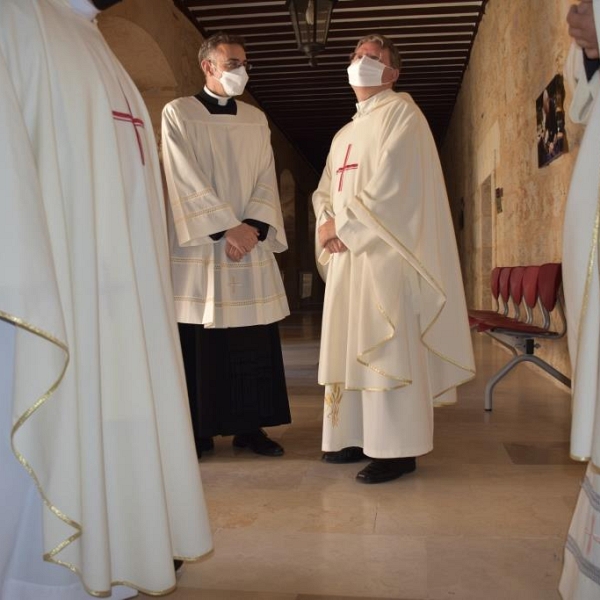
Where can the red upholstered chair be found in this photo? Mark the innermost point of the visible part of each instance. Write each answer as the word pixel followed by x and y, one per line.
pixel 513 287
pixel 504 285
pixel 499 285
pixel 530 282
pixel 516 289
pixel 541 287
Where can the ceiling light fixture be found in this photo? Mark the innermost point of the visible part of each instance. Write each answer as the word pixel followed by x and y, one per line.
pixel 311 19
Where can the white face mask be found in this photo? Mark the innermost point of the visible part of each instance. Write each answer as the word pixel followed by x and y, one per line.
pixel 234 81
pixel 366 72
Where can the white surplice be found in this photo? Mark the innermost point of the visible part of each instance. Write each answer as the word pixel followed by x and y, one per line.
pixel 395 337
pixel 220 170
pixel 581 279
pixel 98 414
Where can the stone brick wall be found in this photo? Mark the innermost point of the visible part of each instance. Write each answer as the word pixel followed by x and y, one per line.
pixel 491 143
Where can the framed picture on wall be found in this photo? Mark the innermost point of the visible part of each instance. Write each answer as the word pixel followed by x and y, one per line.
pixel 551 134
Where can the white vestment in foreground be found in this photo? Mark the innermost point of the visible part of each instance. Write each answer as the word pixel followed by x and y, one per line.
pixel 92 391
pixel 395 337
pixel 581 574
pixel 220 171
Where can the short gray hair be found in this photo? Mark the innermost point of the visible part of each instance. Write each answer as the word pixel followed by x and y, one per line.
pixel 210 44
pixel 384 42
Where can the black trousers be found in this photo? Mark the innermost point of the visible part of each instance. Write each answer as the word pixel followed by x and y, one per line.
pixel 235 378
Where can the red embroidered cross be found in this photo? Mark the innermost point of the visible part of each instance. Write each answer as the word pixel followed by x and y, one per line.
pixel 345 167
pixel 129 118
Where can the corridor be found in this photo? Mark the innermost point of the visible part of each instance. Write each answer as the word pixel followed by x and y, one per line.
pixel 484 517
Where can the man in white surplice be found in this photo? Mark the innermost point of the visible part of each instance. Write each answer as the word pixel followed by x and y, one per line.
pixel 581 572
pixel 395 337
pixel 100 488
pixel 225 224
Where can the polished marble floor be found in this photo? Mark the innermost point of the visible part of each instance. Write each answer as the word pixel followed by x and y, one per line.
pixel 484 516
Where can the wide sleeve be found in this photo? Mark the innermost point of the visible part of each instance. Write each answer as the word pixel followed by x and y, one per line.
pixel 264 204
pixel 323 208
pixel 197 210
pixel 321 198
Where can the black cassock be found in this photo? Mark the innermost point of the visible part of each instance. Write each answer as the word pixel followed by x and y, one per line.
pixel 235 378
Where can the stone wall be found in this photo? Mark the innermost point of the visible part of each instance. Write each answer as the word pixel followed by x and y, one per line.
pixel 158 46
pixel 492 144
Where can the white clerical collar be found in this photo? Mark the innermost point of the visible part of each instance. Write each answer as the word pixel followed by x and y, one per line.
pixel 85 8
pixel 366 106
pixel 222 100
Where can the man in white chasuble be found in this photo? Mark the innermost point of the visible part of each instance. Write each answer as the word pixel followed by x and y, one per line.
pixel 395 339
pixel 100 488
pixel 225 224
pixel 581 279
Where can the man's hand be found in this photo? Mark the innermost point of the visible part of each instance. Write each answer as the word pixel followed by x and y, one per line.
pixel 582 27
pixel 233 253
pixel 327 232
pixel 329 239
pixel 242 237
pixel 335 245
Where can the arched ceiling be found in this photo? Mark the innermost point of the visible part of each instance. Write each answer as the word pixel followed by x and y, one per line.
pixel 309 104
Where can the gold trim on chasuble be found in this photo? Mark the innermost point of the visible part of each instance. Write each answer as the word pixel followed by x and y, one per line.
pixel 333 400
pixel 18 322
pixel 585 303
pixel 436 285
pixel 403 380
pixel 51 555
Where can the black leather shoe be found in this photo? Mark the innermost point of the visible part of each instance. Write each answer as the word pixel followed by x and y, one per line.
pixel 386 469
pixel 259 442
pixel 204 444
pixel 351 454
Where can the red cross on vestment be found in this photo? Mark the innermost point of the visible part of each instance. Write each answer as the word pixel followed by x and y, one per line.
pixel 136 122
pixel 345 167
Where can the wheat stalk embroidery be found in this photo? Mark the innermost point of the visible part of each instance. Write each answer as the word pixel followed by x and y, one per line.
pixel 333 400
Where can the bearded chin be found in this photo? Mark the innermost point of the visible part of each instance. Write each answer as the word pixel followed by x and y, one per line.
pixel 104 4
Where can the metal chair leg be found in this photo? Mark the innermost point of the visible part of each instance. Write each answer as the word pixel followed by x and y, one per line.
pixel 489 388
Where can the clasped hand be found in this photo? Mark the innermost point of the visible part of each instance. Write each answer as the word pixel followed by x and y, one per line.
pixel 328 238
pixel 240 240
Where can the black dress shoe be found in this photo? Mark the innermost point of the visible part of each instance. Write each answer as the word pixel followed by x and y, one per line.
pixel 204 444
pixel 258 442
pixel 351 454
pixel 386 469
pixel 177 564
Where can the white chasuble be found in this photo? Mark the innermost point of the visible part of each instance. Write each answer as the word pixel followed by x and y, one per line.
pixel 395 325
pixel 220 171
pixel 98 414
pixel 581 574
